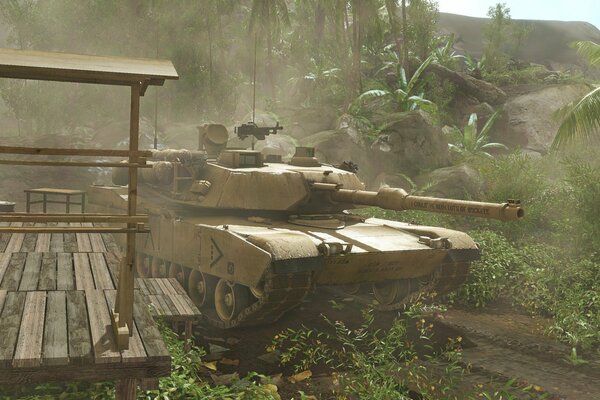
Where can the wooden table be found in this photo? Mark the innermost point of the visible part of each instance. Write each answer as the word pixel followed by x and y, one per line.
pixel 45 192
pixel 168 300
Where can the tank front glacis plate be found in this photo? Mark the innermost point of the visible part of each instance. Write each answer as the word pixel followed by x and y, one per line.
pixel 379 252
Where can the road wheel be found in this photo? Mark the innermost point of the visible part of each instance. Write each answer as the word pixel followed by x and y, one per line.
pixel 201 288
pixel 387 293
pixel 230 299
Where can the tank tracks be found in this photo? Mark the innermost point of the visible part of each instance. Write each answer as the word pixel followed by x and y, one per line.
pixel 445 279
pixel 282 292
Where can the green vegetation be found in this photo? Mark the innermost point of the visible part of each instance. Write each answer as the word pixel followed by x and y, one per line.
pixel 581 119
pixel 548 263
pixel 371 364
pixel 503 37
pixel 471 142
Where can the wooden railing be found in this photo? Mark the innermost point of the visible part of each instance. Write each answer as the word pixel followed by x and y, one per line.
pixel 122 314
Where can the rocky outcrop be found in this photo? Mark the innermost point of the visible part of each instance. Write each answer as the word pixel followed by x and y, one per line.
pixel 411 143
pixel 470 86
pixel 547 43
pixel 528 121
pixel 456 182
pixel 339 145
pixel 301 123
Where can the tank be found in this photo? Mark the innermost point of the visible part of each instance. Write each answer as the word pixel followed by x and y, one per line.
pixel 249 236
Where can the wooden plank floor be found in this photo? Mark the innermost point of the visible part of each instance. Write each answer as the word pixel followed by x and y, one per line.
pixel 168 299
pixel 66 335
pixel 56 242
pixel 58 271
pixel 56 293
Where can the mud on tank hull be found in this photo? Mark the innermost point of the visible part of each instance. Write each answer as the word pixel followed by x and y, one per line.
pixel 245 271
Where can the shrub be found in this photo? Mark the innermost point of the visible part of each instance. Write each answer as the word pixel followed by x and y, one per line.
pixel 489 276
pixel 369 363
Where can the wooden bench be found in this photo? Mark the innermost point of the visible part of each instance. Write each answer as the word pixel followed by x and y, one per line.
pixel 169 301
pixel 45 192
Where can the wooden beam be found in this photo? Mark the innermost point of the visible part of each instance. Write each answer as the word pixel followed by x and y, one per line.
pixel 140 164
pixel 70 152
pixel 84 218
pixel 122 317
pixel 73 229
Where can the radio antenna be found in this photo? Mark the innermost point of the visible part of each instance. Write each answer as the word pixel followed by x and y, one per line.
pixel 254 79
pixel 254 84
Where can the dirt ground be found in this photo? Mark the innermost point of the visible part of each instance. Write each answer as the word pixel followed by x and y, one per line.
pixel 499 344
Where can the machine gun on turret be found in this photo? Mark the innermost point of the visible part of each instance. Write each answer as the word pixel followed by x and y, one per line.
pixel 259 132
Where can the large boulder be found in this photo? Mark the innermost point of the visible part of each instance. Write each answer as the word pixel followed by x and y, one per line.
pixel 481 90
pixel 303 122
pixel 115 134
pixel 411 143
pixel 456 182
pixel 528 121
pixel 339 145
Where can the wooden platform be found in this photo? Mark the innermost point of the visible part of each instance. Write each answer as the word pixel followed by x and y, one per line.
pixel 66 335
pixel 55 317
pixel 168 300
pixel 57 242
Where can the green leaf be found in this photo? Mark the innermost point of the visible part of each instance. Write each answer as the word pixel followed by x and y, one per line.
pixel 580 120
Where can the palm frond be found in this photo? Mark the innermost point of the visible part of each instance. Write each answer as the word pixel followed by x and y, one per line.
pixel 488 125
pixel 417 75
pixel 403 77
pixel 589 50
pixel 470 132
pixel 580 120
pixel 419 100
pixel 493 146
pixel 372 94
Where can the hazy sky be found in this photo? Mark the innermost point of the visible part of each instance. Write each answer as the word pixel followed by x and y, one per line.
pixel 573 10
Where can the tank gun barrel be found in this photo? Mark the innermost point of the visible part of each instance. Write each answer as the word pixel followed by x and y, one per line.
pixel 398 199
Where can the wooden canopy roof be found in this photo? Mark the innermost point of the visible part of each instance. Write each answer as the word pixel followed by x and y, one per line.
pixel 47 66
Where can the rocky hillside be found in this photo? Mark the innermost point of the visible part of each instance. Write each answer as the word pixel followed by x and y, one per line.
pixel 547 44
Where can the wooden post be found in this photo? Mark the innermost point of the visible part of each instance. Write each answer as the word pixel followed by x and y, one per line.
pixel 125 389
pixel 123 312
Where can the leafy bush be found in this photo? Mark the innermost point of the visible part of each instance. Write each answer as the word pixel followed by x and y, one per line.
pixel 489 276
pixel 372 364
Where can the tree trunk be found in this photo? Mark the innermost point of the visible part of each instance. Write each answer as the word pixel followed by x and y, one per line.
pixel 390 5
pixel 356 49
pixel 405 62
pixel 270 69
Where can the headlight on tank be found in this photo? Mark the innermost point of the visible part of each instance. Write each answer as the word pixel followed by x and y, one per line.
pixel 334 248
pixel 437 243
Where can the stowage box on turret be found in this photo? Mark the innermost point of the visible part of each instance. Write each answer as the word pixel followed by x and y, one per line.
pixel 249 238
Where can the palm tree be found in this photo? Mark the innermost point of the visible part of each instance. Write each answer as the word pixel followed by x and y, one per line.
pixel 266 19
pixel 581 119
